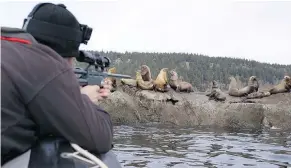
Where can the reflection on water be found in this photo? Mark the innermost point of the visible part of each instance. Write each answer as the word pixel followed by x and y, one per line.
pixel 156 147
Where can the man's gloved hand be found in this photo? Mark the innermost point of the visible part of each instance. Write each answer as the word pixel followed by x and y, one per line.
pixel 105 90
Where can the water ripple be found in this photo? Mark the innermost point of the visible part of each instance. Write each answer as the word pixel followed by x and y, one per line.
pixel 156 147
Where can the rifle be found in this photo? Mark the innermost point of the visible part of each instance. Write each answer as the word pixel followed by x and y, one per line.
pixel 96 77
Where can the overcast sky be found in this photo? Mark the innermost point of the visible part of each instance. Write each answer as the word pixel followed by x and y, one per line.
pixel 243 29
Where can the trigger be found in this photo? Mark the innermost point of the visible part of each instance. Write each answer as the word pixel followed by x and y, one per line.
pixel 102 83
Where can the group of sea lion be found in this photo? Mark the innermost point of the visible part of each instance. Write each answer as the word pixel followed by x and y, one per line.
pixel 251 91
pixel 162 83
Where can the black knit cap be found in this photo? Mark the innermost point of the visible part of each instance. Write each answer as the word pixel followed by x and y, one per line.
pixel 59 15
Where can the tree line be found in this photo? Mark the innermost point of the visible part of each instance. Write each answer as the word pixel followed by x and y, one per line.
pixel 197 69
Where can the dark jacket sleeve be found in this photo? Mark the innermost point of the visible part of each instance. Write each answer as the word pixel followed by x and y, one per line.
pixel 60 109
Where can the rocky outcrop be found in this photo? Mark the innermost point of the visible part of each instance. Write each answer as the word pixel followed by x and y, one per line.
pixel 130 106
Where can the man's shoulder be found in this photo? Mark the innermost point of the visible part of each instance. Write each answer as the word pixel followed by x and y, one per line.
pixel 17 41
pixel 20 36
pixel 30 66
pixel 11 32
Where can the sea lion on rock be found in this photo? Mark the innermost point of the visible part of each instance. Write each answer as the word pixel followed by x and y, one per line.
pixel 283 87
pixel 234 91
pixel 146 73
pixel 179 85
pixel 253 84
pixel 258 95
pixel 173 82
pixel 144 85
pixel 129 82
pixel 161 82
pixel 256 85
pixel 216 94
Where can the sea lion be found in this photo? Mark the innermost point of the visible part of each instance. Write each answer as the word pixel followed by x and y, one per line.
pixel 283 87
pixel 216 94
pixel 161 82
pixel 256 85
pixel 146 73
pixel 179 85
pixel 174 80
pixel 129 82
pixel 257 95
pixel 113 80
pixel 234 91
pixel 253 82
pixel 144 85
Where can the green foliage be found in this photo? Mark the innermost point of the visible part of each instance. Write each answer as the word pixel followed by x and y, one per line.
pixel 198 69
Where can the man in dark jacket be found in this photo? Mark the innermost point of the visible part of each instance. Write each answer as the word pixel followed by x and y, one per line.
pixel 40 95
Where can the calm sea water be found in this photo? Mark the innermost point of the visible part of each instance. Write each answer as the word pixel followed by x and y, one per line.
pixel 157 147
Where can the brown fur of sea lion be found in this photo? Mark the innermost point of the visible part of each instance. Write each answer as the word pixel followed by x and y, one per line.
pixel 161 82
pixel 234 91
pixel 216 94
pixel 179 85
pixel 283 87
pixel 173 82
pixel 129 82
pixel 145 73
pixel 214 86
pixel 144 85
pixel 256 85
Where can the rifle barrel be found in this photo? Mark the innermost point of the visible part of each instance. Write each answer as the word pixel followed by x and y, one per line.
pixel 118 75
pixel 97 73
pixel 105 74
pixel 79 71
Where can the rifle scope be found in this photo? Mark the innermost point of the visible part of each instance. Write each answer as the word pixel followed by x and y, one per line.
pixel 97 60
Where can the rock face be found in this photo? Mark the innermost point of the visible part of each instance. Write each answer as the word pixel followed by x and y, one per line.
pixel 131 106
